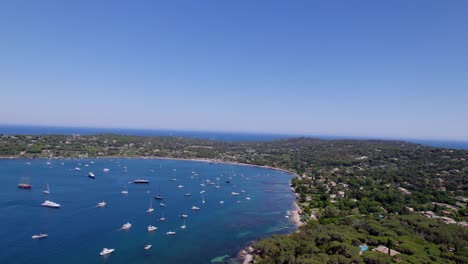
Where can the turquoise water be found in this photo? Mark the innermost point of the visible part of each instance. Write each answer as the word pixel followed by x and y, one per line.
pixel 363 247
pixel 79 230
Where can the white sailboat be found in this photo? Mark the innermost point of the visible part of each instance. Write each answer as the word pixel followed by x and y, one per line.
pixel 150 209
pixel 148 247
pixel 203 198
pixel 47 190
pixel 185 215
pixel 152 228
pixel 184 226
pixel 125 191
pixel 162 218
pixel 101 204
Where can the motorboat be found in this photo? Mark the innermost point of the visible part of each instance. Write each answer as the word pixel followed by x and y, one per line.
pixel 40 236
pixel 152 228
pixel 126 226
pixel 91 175
pixel 106 251
pixel 101 204
pixel 171 233
pixel 148 247
pixel 77 169
pixel 195 208
pixel 106 170
pixel 235 194
pixel 50 204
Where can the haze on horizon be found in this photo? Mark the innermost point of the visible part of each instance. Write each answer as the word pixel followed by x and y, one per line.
pixel 394 69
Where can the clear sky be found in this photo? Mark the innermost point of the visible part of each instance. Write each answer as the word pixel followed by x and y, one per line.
pixel 353 68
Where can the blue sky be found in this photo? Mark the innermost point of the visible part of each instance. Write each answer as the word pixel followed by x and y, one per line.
pixel 354 68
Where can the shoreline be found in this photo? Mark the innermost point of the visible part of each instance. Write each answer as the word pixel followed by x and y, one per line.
pixel 245 255
pixel 165 158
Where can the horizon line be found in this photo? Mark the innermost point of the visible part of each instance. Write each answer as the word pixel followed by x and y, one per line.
pixel 286 134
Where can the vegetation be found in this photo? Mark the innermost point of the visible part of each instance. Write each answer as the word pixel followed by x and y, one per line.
pixel 407 197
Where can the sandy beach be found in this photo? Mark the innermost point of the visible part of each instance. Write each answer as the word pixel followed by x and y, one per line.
pixel 296 215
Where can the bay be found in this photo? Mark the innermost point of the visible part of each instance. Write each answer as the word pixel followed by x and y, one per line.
pixel 79 230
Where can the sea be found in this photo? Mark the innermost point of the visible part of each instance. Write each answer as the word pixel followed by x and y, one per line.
pixel 211 135
pixel 79 230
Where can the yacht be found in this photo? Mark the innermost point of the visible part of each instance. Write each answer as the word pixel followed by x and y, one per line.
pixel 170 233
pixel 148 247
pixel 235 194
pixel 46 191
pixel 152 228
pixel 50 204
pixel 106 251
pixel 106 170
pixel 77 169
pixel 91 175
pixel 126 226
pixel 195 208
pixel 141 181
pixel 40 236
pixel 101 204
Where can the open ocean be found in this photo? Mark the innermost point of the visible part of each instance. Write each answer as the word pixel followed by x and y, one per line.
pixel 79 230
pixel 223 136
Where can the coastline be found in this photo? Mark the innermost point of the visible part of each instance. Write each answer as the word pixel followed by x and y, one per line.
pixel 245 256
pixel 165 158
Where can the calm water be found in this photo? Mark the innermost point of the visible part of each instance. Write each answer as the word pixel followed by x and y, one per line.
pixel 79 230
pixel 222 136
